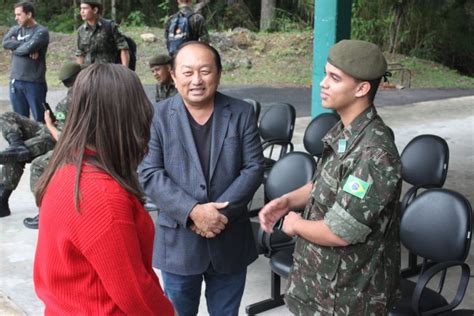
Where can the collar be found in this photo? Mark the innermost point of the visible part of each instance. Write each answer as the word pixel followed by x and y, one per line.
pixel 95 26
pixel 350 133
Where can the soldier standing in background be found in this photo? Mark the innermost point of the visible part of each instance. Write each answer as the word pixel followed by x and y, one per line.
pixel 184 26
pixel 347 255
pixel 98 39
pixel 35 139
pixel 160 66
pixel 28 42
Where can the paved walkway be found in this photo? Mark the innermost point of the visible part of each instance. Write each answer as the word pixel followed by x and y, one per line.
pixel 452 119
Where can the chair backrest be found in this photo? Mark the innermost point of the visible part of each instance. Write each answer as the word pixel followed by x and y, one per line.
pixel 437 225
pixel 289 173
pixel 316 130
pixel 256 107
pixel 278 123
pixel 425 161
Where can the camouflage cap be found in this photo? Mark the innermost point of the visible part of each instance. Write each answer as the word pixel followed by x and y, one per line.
pixel 160 60
pixel 359 59
pixel 69 70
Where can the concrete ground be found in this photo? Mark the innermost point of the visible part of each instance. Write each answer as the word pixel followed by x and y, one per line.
pixel 452 119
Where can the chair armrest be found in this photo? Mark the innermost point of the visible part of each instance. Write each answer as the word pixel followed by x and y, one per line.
pixel 428 275
pixel 273 242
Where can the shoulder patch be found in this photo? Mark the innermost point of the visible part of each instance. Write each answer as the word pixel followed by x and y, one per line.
pixel 356 187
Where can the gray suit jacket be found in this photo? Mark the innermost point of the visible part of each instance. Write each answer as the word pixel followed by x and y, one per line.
pixel 172 177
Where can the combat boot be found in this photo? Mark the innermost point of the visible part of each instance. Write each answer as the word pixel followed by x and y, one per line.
pixel 4 196
pixel 16 152
pixel 31 222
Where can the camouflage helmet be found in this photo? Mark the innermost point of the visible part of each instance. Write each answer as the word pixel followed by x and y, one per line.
pixel 68 71
pixel 159 60
pixel 359 59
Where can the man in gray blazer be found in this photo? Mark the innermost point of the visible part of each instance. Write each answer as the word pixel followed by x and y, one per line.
pixel 204 165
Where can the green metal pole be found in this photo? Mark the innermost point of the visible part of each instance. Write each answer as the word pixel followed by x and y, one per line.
pixel 332 23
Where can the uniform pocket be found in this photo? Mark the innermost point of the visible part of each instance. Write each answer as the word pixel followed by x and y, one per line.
pixel 166 221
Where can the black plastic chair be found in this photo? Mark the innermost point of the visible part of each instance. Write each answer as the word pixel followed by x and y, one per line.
pixel 436 226
pixel 289 173
pixel 278 248
pixel 425 161
pixel 316 130
pixel 276 131
pixel 281 258
pixel 256 107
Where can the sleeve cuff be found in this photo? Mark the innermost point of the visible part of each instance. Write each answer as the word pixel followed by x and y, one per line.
pixel 345 225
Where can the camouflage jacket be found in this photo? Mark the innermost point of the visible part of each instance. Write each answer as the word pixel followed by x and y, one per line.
pixel 100 43
pixel 356 192
pixel 164 91
pixel 196 24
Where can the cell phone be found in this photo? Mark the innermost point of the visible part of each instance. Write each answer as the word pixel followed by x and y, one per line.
pixel 48 108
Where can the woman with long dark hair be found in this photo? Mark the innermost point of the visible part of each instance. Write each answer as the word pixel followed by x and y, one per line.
pixel 95 240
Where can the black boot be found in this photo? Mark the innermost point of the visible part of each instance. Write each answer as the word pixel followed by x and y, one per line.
pixel 16 152
pixel 4 196
pixel 31 222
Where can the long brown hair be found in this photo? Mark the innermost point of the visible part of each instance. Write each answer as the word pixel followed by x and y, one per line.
pixel 110 114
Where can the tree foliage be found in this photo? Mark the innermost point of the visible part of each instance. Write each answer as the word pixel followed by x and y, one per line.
pixel 440 30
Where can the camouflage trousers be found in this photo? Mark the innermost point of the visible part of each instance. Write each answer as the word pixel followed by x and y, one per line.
pixel 37 139
pixel 37 168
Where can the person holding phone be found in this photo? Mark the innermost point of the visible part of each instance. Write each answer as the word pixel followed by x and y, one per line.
pixel 30 141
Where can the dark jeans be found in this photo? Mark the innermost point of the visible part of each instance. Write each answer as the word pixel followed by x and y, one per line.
pixel 223 292
pixel 26 96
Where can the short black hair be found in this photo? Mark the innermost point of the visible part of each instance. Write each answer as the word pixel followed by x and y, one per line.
pixel 94 5
pixel 374 86
pixel 26 6
pixel 217 56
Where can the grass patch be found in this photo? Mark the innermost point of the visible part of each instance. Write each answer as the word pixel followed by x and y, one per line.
pixel 276 59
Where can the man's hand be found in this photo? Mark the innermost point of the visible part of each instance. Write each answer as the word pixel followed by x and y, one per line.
pixel 272 212
pixel 201 232
pixel 289 223
pixel 34 55
pixel 207 220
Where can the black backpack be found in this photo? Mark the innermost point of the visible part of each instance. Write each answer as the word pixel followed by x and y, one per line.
pixel 132 51
pixel 179 31
pixel 132 46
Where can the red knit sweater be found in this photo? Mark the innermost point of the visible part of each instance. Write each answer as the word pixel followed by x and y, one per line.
pixel 98 261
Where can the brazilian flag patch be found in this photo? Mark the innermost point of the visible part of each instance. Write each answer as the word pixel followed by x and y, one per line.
pixel 60 116
pixel 356 187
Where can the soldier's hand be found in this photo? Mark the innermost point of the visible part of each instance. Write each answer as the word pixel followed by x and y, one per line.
pixel 289 223
pixel 273 211
pixel 47 118
pixel 208 220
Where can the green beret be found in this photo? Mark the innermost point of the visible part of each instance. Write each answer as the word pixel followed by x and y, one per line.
pixel 160 60
pixel 359 59
pixel 69 70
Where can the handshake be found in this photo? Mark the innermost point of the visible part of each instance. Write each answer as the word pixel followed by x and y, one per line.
pixel 207 221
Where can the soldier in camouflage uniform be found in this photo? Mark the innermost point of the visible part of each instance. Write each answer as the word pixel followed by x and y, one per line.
pixel 29 135
pixel 98 39
pixel 160 66
pixel 347 254
pixel 196 23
